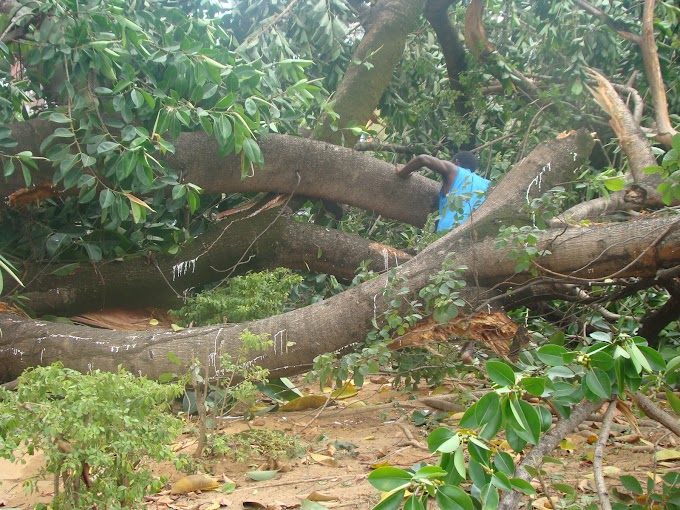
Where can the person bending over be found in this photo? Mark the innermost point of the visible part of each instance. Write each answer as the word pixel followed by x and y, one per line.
pixel 458 179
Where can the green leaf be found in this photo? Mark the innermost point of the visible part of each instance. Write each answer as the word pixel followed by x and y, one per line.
pixel 631 483
pixel 501 481
pixel 137 98
pixel 615 184
pixel 443 440
pixel 490 497
pixel 94 252
pixel 391 502
pixel 654 359
pixel 500 373
pixel 525 421
pixel 484 414
pixel 429 473
pixel 478 475
pixel 105 147
pixel 174 359
pixel 523 486
pixel 106 198
pixel 551 355
pixel 504 463
pixel 673 401
pixel 533 385
pixel 178 191
pixel 388 479
pixel 262 476
pixel 596 384
pixel 449 497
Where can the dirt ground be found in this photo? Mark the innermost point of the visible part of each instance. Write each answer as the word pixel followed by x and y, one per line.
pixel 346 439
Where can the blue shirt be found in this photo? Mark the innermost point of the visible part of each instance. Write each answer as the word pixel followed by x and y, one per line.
pixel 468 183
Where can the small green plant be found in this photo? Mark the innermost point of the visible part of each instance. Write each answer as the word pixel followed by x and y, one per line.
pixel 264 443
pixel 96 432
pixel 522 243
pixel 223 395
pixel 242 298
pixel 641 499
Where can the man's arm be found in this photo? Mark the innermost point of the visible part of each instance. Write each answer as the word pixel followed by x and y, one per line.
pixel 446 169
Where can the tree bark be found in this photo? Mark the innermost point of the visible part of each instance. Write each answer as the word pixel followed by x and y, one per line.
pixel 341 322
pixel 650 57
pixel 370 71
pixel 253 242
pixel 436 13
pixel 164 279
pixel 292 165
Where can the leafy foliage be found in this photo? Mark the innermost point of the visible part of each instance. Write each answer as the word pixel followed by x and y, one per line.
pixel 120 82
pixel 600 370
pixel 101 427
pixel 242 298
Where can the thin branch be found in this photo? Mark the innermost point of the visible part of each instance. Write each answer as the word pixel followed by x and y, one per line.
pixel 599 455
pixel 274 22
pixel 654 412
pixel 608 20
pixel 547 444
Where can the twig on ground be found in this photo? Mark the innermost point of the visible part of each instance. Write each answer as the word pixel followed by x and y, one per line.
pixel 600 484
pixel 653 411
pixel 409 436
pixel 547 444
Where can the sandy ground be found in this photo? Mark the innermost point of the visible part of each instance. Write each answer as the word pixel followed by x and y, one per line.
pixel 344 441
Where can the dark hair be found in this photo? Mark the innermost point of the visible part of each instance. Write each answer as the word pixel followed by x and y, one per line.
pixel 465 159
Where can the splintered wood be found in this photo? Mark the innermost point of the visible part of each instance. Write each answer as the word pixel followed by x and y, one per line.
pixel 496 331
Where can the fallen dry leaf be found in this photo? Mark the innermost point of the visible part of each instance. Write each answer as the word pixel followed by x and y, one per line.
pixel 304 403
pixel 318 496
pixel 193 483
pixel 324 460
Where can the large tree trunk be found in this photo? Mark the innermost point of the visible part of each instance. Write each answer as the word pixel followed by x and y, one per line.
pixel 344 320
pixel 370 71
pixel 257 241
pixel 292 165
pixel 252 242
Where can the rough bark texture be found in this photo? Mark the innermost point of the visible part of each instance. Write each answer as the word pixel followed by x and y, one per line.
pixel 362 86
pixel 650 57
pixel 342 321
pixel 436 13
pixel 643 191
pixel 292 164
pixel 289 244
pixel 250 243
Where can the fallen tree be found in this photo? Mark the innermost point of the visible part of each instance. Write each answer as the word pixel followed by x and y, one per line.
pixel 639 249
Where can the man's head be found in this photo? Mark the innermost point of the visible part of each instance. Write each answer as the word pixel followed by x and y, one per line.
pixel 465 159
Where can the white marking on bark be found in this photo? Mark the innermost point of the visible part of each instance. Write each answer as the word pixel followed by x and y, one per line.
pixel 279 344
pixel 181 269
pixel 575 155
pixel 386 258
pixel 14 351
pixel 537 181
pixel 212 357
pixel 42 351
pixel 73 337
